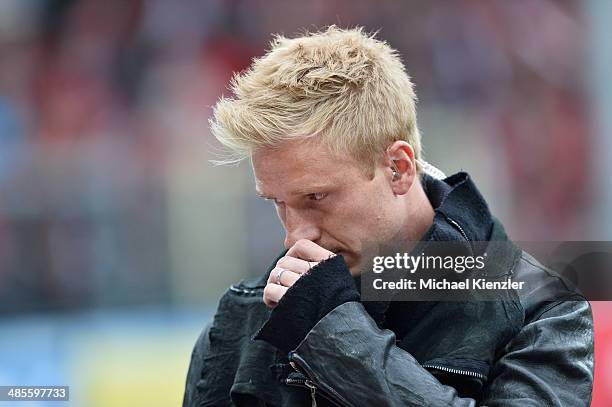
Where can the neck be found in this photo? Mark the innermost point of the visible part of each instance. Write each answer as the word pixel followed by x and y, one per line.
pixel 420 213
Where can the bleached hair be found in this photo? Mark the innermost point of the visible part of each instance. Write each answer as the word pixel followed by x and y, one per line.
pixel 341 85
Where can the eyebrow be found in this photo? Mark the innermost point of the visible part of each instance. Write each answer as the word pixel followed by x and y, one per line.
pixel 311 189
pixel 300 191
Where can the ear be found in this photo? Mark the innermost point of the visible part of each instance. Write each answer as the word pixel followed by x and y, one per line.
pixel 399 158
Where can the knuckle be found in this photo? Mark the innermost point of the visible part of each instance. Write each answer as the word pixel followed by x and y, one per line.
pixel 271 277
pixel 267 290
pixel 282 261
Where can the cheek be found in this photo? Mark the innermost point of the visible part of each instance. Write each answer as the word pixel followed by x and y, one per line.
pixel 358 218
pixel 376 220
pixel 354 222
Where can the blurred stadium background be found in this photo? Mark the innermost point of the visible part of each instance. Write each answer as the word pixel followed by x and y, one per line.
pixel 117 237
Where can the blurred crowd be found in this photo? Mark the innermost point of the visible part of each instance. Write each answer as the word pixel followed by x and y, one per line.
pixel 108 201
pixel 106 195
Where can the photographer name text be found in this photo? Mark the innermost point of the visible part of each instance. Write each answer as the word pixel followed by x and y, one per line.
pixel 444 284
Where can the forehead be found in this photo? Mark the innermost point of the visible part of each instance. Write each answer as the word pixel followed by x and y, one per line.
pixel 299 164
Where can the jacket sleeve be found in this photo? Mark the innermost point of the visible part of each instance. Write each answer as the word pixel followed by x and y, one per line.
pixel 196 366
pixel 355 363
pixel 550 362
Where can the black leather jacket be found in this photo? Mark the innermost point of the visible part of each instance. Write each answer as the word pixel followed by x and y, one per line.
pixel 535 349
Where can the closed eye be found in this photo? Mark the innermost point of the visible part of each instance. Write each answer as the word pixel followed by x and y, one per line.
pixel 269 199
pixel 317 196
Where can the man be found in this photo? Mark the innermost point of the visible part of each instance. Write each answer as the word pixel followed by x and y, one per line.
pixel 329 122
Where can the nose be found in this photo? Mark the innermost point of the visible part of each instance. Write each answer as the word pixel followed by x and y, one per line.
pixel 299 226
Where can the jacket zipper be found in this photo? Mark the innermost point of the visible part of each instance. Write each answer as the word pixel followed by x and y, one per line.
pixel 306 383
pixel 456 371
pixel 477 375
pixel 313 390
pixel 324 390
pixel 458 227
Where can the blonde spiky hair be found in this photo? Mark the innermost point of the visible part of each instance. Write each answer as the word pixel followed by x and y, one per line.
pixel 341 85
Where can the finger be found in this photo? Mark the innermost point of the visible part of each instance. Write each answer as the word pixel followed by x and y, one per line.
pixel 273 293
pixel 287 278
pixel 294 264
pixel 310 251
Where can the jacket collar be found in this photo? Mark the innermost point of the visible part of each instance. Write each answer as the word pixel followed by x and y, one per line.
pixel 461 215
pixel 460 210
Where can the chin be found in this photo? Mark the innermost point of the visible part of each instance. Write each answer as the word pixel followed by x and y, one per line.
pixel 354 271
pixel 350 262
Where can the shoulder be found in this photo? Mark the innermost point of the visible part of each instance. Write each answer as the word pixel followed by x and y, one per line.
pixel 252 286
pixel 240 308
pixel 240 312
pixel 546 289
pixel 249 287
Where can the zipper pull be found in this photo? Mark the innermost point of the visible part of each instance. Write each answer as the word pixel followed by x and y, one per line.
pixel 313 390
pixel 308 383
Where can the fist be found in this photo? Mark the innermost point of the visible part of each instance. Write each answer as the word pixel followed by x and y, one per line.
pixel 300 258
